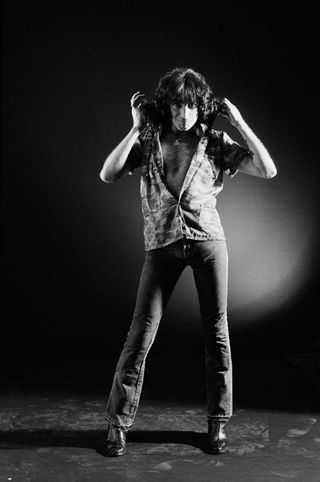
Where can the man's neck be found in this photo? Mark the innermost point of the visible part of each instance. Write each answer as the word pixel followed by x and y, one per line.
pixel 173 133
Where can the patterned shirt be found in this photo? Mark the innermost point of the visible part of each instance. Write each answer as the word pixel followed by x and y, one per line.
pixel 193 214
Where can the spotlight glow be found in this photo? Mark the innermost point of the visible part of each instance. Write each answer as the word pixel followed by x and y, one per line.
pixel 271 243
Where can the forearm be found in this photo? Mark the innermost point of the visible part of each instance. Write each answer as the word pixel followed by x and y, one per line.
pixel 116 160
pixel 261 159
pixel 260 164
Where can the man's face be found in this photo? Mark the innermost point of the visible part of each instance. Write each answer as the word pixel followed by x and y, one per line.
pixel 183 116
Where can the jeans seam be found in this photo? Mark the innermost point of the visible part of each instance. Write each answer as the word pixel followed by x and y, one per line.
pixel 123 427
pixel 137 393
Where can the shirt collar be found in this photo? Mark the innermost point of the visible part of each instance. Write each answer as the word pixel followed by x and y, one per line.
pixel 158 130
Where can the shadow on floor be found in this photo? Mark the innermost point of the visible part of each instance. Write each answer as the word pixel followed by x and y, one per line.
pixel 95 439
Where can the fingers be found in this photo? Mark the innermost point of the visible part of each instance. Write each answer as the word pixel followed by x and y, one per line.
pixel 225 103
pixel 222 107
pixel 137 100
pixel 226 107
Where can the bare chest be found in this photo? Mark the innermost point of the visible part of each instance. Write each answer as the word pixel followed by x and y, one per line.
pixel 176 161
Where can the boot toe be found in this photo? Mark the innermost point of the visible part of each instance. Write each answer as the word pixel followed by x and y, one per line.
pixel 113 451
pixel 217 447
pixel 217 437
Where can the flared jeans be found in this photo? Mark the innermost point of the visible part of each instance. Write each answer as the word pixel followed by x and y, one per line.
pixel 161 271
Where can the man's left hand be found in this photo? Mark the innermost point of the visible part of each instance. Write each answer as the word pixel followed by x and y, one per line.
pixel 232 112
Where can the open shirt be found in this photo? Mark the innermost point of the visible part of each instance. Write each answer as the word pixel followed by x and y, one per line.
pixel 193 215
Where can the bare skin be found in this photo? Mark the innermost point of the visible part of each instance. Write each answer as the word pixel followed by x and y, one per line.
pixel 178 145
pixel 115 166
pixel 177 158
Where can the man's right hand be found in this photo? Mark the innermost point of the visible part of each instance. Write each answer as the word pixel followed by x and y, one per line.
pixel 138 116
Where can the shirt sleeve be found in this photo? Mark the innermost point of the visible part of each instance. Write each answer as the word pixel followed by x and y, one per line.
pixel 233 154
pixel 135 156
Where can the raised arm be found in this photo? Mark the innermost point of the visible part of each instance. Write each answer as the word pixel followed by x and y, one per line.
pixel 116 163
pixel 260 164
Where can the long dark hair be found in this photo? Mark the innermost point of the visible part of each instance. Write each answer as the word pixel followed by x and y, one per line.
pixel 186 86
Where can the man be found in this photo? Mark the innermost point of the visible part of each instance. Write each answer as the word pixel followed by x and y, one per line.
pixel 182 160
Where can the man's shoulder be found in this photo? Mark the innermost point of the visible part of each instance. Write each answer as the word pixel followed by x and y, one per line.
pixel 215 137
pixel 147 133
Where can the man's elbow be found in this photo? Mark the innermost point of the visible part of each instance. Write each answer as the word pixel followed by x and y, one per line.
pixel 107 179
pixel 270 173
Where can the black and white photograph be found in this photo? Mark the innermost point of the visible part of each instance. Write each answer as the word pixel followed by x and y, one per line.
pixel 160 242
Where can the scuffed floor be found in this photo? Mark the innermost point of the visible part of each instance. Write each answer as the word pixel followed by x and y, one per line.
pixel 51 438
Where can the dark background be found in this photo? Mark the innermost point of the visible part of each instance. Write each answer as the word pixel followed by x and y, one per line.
pixel 72 246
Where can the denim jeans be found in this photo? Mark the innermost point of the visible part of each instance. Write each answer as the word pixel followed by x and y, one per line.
pixel 161 270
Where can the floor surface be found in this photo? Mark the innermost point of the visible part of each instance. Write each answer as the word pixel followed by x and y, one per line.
pixel 51 438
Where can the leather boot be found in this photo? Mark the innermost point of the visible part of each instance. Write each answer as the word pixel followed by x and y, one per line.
pixel 217 436
pixel 116 441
